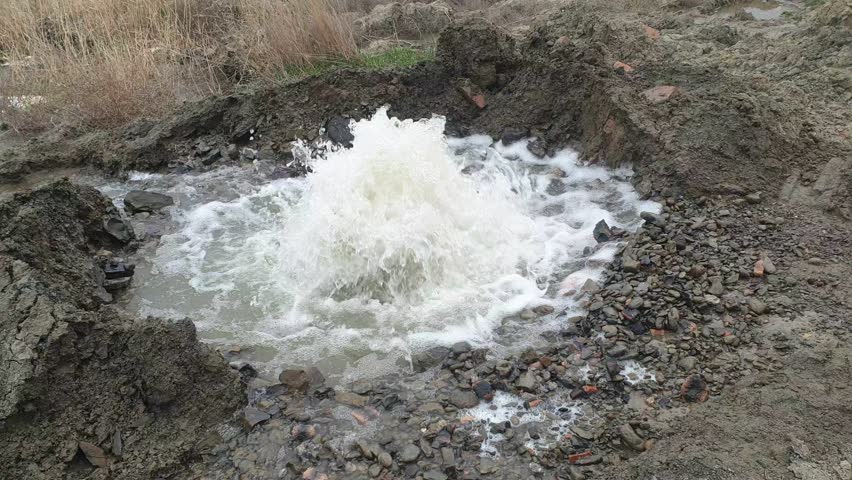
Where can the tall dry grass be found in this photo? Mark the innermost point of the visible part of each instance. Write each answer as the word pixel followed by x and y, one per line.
pixel 104 62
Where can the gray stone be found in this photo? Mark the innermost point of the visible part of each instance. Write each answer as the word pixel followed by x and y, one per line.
pixel 631 438
pixel 653 219
pixel 757 306
pixel 409 454
pixel 630 265
pixel 141 201
pixel 526 382
pixel 425 360
pixel 434 475
pixel 514 134
pixel 464 399
pixel 118 229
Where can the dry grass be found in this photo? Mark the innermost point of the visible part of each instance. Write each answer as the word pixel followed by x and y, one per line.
pixel 104 62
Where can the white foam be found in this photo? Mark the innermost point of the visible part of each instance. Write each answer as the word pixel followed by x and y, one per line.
pixel 635 373
pixel 405 241
pixel 555 416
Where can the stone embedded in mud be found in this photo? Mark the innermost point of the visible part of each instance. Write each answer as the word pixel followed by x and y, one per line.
pixel 142 201
pixel 631 438
pixel 622 66
pixel 659 94
pixel 425 360
pixel 602 232
pixel 94 454
pixel 694 389
pixel 351 399
pixel 652 33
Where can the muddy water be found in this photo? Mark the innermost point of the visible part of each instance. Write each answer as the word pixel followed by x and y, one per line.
pixel 406 241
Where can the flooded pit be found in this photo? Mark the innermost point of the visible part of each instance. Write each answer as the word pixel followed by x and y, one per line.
pixel 406 241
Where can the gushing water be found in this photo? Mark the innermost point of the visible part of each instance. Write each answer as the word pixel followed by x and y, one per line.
pixel 405 241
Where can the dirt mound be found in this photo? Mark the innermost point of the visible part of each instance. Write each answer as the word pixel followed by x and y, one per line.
pixel 85 385
pixel 405 21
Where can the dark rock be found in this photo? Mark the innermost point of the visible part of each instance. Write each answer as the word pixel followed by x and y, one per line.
pixel 337 129
pixel 141 201
pixel 538 148
pixel 252 416
pixel 694 389
pixel 113 270
pixel 461 347
pixel 484 390
pixel 118 229
pixel 602 233
pixel 514 134
pixel 117 284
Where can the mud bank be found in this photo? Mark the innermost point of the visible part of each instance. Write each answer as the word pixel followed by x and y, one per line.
pixel 85 385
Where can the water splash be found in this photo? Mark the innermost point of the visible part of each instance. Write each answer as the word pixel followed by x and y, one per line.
pixel 405 241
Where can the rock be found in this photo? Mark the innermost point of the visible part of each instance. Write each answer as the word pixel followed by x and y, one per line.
pixel 651 33
pixel 757 306
pixel 653 219
pixel 142 201
pixel 591 286
pixel 337 129
pixel 759 268
pixel 233 152
pixel 351 399
pixel 487 466
pixel 484 390
pixel 630 265
pixel 385 459
pixel 251 417
pixel 117 284
pixel 716 288
pixel 464 399
pixel 537 148
pixel 409 454
pixel 94 454
pixel 694 389
pixel 118 229
pixel 301 432
pixel 434 475
pixel 753 198
pixel 687 363
pixel 472 93
pixel 117 444
pixel 114 269
pixel 425 360
pixel 602 232
pixel 659 94
pixel 526 382
pixel 768 266
pixel 448 457
pixel 296 380
pixel 460 347
pixel 622 66
pixel 514 134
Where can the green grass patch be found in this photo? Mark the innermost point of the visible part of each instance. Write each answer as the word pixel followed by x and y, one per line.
pixel 397 57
